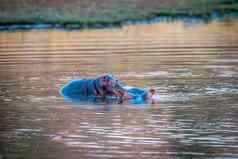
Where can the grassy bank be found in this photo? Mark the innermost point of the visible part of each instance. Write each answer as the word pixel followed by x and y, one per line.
pixel 91 12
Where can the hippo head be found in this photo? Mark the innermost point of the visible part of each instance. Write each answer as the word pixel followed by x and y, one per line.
pixel 111 85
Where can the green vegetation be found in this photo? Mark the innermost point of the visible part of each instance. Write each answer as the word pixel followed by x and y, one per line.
pixel 90 12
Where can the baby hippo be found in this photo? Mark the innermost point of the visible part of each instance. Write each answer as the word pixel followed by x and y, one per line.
pixel 126 93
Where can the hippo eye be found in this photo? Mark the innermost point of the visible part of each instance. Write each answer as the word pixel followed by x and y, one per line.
pixel 104 78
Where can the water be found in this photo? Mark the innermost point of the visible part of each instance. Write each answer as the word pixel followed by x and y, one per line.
pixel 194 68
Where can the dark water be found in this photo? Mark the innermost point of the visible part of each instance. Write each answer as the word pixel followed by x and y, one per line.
pixel 194 69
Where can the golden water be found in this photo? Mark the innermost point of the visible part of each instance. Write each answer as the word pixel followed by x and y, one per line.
pixel 194 68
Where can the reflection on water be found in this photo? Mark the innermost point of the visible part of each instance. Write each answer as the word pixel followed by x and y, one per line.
pixel 193 68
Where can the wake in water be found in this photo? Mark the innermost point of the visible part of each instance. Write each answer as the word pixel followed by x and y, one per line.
pixel 182 88
pixel 167 94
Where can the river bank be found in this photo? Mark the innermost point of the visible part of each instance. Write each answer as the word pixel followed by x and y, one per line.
pixel 78 14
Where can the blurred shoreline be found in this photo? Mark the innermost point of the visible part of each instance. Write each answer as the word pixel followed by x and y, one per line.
pixel 83 14
pixel 187 19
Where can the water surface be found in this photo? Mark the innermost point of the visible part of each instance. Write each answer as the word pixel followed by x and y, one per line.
pixel 194 68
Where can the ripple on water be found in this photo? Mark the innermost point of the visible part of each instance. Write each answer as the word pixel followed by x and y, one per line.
pixel 222 89
pixel 7 99
pixel 176 73
pixel 193 69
